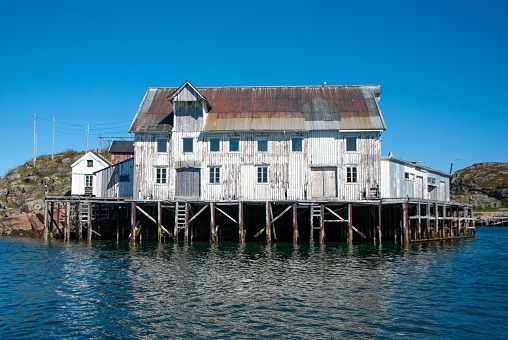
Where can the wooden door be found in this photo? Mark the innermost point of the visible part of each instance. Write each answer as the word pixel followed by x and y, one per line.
pixel 419 187
pixel 188 183
pixel 323 182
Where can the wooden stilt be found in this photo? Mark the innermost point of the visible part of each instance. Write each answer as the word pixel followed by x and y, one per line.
pixel 350 223
pixel 159 221
pixel 80 223
pixel 322 226
pixel 186 230
pixel 213 236
pixel 268 228
pixel 311 240
pixel 118 226
pixel 295 223
pixel 46 221
pixel 52 218
pixel 133 223
pixel 175 228
pixel 241 234
pixel 89 223
pixel 57 222
pixel 379 221
pixel 67 221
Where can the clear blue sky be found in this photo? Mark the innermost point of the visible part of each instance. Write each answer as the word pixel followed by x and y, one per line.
pixel 442 66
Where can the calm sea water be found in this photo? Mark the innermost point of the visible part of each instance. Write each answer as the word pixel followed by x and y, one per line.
pixel 453 289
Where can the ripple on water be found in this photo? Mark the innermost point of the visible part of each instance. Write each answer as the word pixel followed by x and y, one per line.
pixel 456 289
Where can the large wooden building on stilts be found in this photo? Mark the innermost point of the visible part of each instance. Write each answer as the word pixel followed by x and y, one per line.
pixel 274 163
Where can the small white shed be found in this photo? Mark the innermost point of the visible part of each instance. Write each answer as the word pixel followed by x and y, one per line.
pixel 84 181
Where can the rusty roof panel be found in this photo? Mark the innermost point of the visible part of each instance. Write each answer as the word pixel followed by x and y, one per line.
pixel 270 108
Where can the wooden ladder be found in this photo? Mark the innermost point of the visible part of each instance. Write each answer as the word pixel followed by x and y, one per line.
pixel 83 213
pixel 316 214
pixel 180 215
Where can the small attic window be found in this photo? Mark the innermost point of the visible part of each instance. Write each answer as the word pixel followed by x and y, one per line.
pixel 89 163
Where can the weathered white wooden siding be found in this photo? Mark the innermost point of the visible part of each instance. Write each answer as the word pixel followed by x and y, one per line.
pixel 404 179
pixel 80 169
pixel 116 180
pixel 366 159
pixel 146 161
pixel 290 172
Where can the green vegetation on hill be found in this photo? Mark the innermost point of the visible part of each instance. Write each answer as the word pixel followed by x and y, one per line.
pixel 483 185
pixel 27 185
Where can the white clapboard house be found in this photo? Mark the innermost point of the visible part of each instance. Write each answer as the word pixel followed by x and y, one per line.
pixel 84 180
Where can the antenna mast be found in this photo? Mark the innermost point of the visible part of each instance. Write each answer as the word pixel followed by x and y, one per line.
pixel 35 137
pixel 53 139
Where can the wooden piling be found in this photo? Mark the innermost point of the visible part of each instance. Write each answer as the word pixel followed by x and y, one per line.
pixel 159 221
pixel 46 221
pixel 268 229
pixel 241 234
pixel 186 230
pixel 133 222
pixel 322 224
pixel 67 230
pixel 350 223
pixel 213 236
pixel 295 223
pixel 89 223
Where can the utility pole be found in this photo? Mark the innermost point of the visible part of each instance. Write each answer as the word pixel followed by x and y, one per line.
pixel 87 133
pixel 35 137
pixel 53 140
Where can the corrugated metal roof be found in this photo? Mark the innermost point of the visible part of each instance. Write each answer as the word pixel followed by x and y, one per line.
pixel 289 108
pixel 121 147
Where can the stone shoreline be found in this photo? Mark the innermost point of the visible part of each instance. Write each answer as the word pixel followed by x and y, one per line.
pixel 22 225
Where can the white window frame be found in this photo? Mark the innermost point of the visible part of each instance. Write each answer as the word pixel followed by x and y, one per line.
pixel 88 180
pixel 262 174
pixel 161 175
pixel 351 174
pixel 409 176
pixel 214 172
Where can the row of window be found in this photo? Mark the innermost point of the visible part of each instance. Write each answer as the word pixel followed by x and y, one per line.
pixel 262 174
pixel 408 176
pixel 234 144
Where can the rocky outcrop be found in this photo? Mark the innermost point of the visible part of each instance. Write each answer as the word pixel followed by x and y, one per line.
pixel 481 185
pixel 22 191
pixel 22 224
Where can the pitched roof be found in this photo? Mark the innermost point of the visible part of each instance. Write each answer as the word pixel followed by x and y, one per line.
pixel 121 147
pixel 92 155
pixel 272 108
